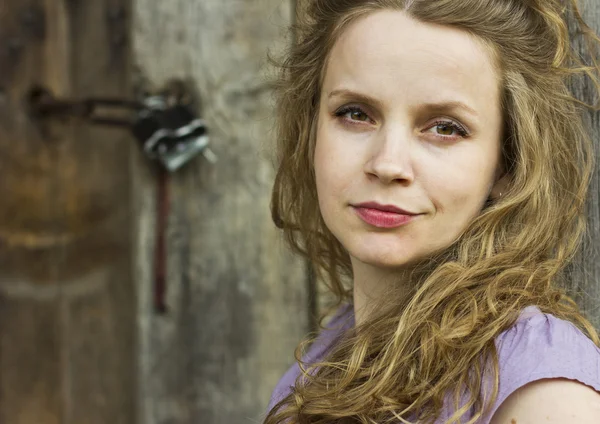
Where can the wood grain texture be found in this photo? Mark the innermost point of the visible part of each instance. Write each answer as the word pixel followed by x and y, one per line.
pixel 67 312
pixel 585 284
pixel 236 299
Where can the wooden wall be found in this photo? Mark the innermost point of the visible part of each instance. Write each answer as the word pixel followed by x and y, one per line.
pixel 80 338
pixel 237 302
pixel 585 284
pixel 67 310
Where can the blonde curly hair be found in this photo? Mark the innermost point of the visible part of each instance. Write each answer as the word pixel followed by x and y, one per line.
pixel 405 360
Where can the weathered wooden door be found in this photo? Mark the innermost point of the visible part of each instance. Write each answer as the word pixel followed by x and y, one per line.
pixel 585 283
pixel 81 340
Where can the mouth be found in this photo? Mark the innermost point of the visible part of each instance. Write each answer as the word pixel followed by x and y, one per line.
pixel 384 208
pixel 383 216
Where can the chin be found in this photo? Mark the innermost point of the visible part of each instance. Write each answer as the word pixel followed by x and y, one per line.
pixel 386 260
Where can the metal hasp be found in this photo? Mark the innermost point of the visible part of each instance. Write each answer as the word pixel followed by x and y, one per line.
pixel 165 124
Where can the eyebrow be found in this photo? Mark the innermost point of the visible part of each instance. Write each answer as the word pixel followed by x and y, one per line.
pixel 450 105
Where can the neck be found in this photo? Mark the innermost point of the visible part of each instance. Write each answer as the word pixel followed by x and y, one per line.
pixel 373 286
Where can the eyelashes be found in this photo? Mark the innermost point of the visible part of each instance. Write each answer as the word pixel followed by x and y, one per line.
pixel 358 112
pixel 350 109
pixel 459 129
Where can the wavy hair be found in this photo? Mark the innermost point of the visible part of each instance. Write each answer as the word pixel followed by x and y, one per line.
pixel 439 343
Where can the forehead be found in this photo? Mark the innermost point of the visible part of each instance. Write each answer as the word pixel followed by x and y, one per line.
pixel 391 55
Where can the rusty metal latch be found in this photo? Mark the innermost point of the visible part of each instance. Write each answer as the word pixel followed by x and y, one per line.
pixel 165 125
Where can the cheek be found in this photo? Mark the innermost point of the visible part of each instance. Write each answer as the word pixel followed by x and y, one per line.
pixel 331 163
pixel 320 150
pixel 319 161
pixel 463 186
pixel 325 170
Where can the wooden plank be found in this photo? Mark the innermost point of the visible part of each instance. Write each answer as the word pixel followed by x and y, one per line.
pixel 31 386
pixel 66 351
pixel 237 300
pixel 586 271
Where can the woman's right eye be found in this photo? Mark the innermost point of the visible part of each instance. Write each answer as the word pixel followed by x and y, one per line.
pixel 353 114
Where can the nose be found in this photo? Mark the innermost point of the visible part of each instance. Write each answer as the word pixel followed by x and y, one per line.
pixel 390 158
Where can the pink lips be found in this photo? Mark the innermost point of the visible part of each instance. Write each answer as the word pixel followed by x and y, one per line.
pixel 383 216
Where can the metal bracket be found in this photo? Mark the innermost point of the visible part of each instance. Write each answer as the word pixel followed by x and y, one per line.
pixel 165 124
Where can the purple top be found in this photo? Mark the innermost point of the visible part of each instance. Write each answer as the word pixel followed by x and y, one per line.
pixel 538 346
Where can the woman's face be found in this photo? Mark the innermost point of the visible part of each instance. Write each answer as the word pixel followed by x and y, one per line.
pixel 408 138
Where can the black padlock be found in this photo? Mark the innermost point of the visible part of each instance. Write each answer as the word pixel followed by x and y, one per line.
pixel 171 134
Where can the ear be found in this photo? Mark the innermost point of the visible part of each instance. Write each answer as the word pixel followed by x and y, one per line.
pixel 500 187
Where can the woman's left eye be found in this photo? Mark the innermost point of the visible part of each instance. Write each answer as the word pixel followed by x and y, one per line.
pixel 446 128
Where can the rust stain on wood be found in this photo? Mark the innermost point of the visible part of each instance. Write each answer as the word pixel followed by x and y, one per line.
pixel 27 191
pixel 54 206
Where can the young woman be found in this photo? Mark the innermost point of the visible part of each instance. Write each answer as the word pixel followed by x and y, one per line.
pixel 431 154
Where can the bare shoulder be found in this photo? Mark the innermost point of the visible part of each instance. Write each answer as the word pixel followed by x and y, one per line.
pixel 553 400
